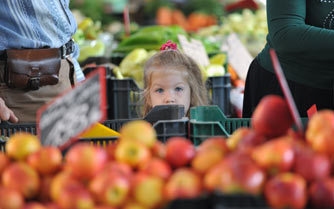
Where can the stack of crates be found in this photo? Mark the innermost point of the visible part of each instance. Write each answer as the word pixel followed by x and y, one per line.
pixel 219 90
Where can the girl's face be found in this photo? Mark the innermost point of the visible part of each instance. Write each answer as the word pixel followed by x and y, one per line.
pixel 169 87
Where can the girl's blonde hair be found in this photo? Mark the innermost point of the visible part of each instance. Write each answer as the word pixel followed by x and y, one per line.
pixel 175 60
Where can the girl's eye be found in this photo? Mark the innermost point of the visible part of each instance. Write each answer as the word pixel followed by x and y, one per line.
pixel 159 90
pixel 178 89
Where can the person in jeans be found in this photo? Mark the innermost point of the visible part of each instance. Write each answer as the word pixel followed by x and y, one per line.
pixel 36 24
pixel 301 33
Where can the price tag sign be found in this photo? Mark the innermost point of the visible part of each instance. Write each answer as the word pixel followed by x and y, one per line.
pixel 194 49
pixel 70 114
pixel 238 55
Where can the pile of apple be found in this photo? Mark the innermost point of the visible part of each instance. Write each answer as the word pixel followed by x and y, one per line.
pixel 270 159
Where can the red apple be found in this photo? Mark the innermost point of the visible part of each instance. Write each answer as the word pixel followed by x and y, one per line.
pixel 46 160
pixel 183 183
pixel 320 131
pixel 4 161
pixel 138 131
pixel 272 117
pixel 21 144
pixel 159 150
pixel 244 138
pixel 33 205
pixel 321 193
pixel 22 177
pixel 236 173
pixel 157 167
pixel 286 190
pixel 110 149
pixel 214 142
pixel 148 190
pixel 59 182
pixel 75 196
pixel 310 164
pixel 117 167
pixel 10 198
pixel 84 160
pixel 132 153
pixel 110 188
pixel 275 155
pixel 204 160
pixel 179 151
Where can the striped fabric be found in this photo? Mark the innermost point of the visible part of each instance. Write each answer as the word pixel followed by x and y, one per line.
pixel 37 24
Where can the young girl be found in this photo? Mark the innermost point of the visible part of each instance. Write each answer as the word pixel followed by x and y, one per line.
pixel 172 77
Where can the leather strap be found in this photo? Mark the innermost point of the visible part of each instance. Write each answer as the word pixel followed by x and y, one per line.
pixel 65 50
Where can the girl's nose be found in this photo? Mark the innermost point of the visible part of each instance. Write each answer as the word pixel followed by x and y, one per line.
pixel 169 99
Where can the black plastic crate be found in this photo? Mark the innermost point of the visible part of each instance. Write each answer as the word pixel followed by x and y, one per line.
pixel 169 128
pixel 124 98
pixel 237 201
pixel 219 90
pixel 201 202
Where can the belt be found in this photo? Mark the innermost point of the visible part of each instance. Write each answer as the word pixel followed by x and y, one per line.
pixel 65 50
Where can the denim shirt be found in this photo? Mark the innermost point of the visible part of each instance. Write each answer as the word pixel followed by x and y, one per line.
pixel 37 24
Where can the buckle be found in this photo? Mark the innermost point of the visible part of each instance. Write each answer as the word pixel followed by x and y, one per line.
pixel 67 49
pixel 34 83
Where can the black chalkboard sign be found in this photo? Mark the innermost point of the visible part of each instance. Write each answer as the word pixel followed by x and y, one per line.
pixel 68 115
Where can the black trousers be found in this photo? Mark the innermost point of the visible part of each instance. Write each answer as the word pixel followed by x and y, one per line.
pixel 260 82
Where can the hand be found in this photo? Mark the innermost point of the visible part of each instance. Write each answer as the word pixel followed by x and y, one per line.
pixel 6 113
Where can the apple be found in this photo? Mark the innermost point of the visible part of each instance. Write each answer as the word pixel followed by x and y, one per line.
pixel 183 183
pixel 33 205
pixel 132 153
pixel 205 159
pixel 179 151
pixel 60 181
pixel 110 149
pixel 148 190
pixel 321 193
pixel 236 173
pixel 75 196
pixel 157 167
pixel 214 142
pixel 286 190
pixel 159 149
pixel 84 160
pixel 101 206
pixel 320 131
pixel 272 116
pixel 22 177
pixel 117 167
pixel 275 155
pixel 110 188
pixel 10 198
pixel 131 204
pixel 46 160
pixel 244 138
pixel 138 131
pixel 51 205
pixel 4 161
pixel 310 164
pixel 22 144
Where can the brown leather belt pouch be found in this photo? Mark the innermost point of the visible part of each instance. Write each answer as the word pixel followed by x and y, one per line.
pixel 30 69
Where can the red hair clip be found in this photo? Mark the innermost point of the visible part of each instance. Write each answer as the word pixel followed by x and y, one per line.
pixel 168 45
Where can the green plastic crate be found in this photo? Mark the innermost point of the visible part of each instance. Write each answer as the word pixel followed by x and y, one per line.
pixel 207 121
